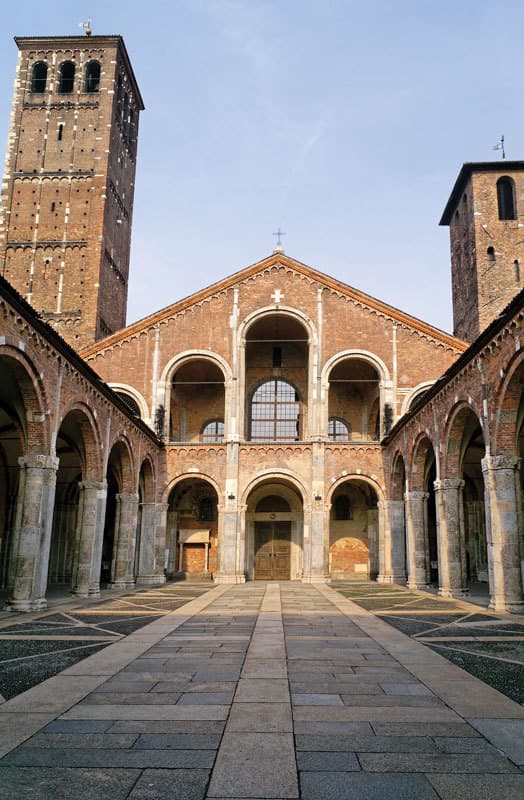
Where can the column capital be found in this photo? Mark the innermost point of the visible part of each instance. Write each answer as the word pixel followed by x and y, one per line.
pixel 38 462
pixel 99 485
pixel 417 495
pixel 504 461
pixel 448 483
pixel 127 497
pixel 162 506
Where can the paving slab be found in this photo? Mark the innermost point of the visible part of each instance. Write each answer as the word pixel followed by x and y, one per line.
pixel 41 783
pixel 507 734
pixel 361 786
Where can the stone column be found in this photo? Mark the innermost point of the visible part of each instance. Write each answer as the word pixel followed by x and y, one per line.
pixel 161 543
pixel 392 542
pixel 231 546
pixel 148 573
pixel 451 537
pixel 89 531
pixel 376 520
pixel 416 512
pixel 125 538
pixel 316 551
pixel 502 533
pixel 32 533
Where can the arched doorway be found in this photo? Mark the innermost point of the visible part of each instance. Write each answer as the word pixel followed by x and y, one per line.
pixel 423 547
pixel 118 543
pixel 192 529
pixel 353 531
pixel 274 525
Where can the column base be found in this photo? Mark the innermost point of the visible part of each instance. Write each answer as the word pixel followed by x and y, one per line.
pixel 229 577
pixel 27 606
pixel 121 586
pixel 315 578
pixel 151 580
pixel 516 606
pixel 421 587
pixel 399 578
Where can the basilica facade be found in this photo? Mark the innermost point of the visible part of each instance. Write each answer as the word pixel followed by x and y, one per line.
pixel 277 425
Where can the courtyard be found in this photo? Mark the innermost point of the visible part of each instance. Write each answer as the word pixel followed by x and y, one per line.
pixel 262 690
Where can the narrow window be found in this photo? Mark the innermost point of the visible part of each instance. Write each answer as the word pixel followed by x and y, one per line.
pixel 66 80
pixel 92 78
pixel 52 207
pixel 506 198
pixel 39 77
pixel 277 357
pixel 491 253
pixel 60 132
pixel 125 110
pixel 516 268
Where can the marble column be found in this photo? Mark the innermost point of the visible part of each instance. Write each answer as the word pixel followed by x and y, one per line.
pixel 32 532
pixel 451 537
pixel 392 542
pixel 416 524
pixel 89 531
pixel 125 539
pixel 147 571
pixel 502 533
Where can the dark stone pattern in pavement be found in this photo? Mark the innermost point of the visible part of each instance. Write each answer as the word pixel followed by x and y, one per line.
pixel 500 664
pixel 40 658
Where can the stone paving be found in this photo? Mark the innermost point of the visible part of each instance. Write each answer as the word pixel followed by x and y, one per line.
pixel 263 691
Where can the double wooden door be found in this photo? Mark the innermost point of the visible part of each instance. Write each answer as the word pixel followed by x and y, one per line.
pixel 272 551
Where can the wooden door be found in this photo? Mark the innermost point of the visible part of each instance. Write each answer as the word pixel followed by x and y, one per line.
pixel 272 551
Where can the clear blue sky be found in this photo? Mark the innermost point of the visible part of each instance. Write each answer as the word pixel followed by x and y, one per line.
pixel 343 122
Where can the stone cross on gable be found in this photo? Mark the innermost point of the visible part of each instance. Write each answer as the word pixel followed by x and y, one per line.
pixel 277 296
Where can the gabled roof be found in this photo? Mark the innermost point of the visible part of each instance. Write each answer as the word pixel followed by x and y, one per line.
pixel 277 259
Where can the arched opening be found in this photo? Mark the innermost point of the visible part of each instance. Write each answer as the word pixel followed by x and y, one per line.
pixel 38 77
pixel 66 77
pixel 476 550
pixel 276 381
pixel 274 525
pixel 92 77
pixel 353 532
pixel 506 198
pixel 144 540
pixel 192 529
pixel 197 397
pixel 71 452
pixel 423 485
pixel 12 444
pixel 354 398
pixel 399 566
pixel 118 478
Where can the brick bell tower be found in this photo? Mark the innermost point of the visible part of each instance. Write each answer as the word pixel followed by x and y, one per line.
pixel 485 214
pixel 68 187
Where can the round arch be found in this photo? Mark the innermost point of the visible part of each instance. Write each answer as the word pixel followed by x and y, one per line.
pixel 398 476
pixel 279 310
pixel 363 355
pixel 90 432
pixel 422 447
pixel 125 468
pixel 355 476
pixel 202 476
pixel 125 388
pixel 29 389
pixel 274 476
pixel 453 433
pixel 509 401
pixel 186 356
pixel 417 390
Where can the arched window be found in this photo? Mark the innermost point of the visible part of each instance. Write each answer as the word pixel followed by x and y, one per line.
pixel 130 403
pixel 275 413
pixel 338 430
pixel 342 507
pixel 490 252
pixel 506 198
pixel 66 79
pixel 92 77
pixel 38 77
pixel 213 431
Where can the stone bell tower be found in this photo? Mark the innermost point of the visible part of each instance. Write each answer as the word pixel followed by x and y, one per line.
pixel 68 187
pixel 485 214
